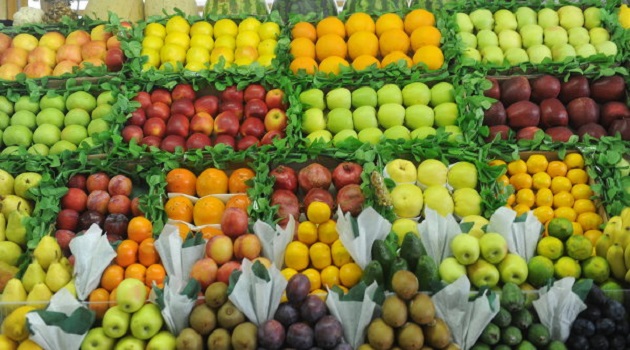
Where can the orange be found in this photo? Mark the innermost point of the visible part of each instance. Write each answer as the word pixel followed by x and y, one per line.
pixel 181 181
pixel 209 232
pixel 362 43
pixel 112 276
pixel 212 181
pixel 359 22
pixel 147 254
pixel 574 161
pixel 99 302
pixel 584 206
pixel 304 30
pixel 155 273
pixel 566 213
pixel 521 209
pixel 302 47
pixel 387 22
pixel 393 40
pixel 560 183
pixel 112 298
pixel 331 25
pixel 563 199
pixel 497 162
pixel 395 57
pixel 541 180
pixel 306 64
pixel 238 178
pixel 581 191
pixel 556 168
pixel 516 167
pixel 424 36
pixel 577 176
pixel 544 213
pixel 208 210
pixel 536 163
pixel 544 197
pixel 330 45
pixel 183 229
pixel 525 196
pixel 179 208
pixel 238 201
pixel 139 229
pixel 589 221
pixel 137 271
pixel 511 199
pixel 364 62
pixel 503 180
pixel 521 180
pixel 593 235
pixel 127 253
pixel 429 55
pixel 332 65
pixel 418 18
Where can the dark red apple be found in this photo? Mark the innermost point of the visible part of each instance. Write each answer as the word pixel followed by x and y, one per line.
pixel 544 87
pixel 621 127
pixel 198 141
pixel 553 113
pixel 314 175
pixel 319 195
pixel 226 123
pixel 202 122
pixel 151 141
pixel 347 173
pixel 97 201
pixel 225 139
pixel 232 94
pixel 612 111
pixel 90 217
pixel 235 107
pixel 77 181
pixel 350 199
pixel 515 89
pixel 171 142
pixel 246 142
pixel 183 106
pixel 181 91
pixel 252 127
pixel 178 125
pixel 592 129
pixel 254 91
pixel 285 178
pixel 523 114
pixel 576 87
pixel 255 108
pixel 275 99
pixel 208 104
pixel 114 59
pixel 159 110
pixel 161 95
pixel 138 117
pixel 288 205
pixel 502 130
pixel 605 89
pixel 583 110
pixel 527 133
pixel 144 98
pixel 276 119
pixel 559 133
pixel 132 132
pixel 270 136
pixel 494 91
pixel 495 115
pixel 154 127
pixel 68 219
pixel 234 222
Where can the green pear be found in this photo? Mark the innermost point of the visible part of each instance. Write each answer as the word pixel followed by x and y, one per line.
pixel 16 231
pixel 34 274
pixel 24 182
pixel 47 251
pixel 57 277
pixel 3 228
pixel 13 293
pixel 12 203
pixel 6 183
pixel 41 293
pixel 10 252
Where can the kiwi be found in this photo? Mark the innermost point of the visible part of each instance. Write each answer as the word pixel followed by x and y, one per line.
pixel 410 337
pixel 216 295
pixel 426 348
pixel 202 319
pixel 405 284
pixel 394 311
pixel 244 336
pixel 229 316
pixel 380 335
pixel 219 339
pixel 421 309
pixel 189 339
pixel 437 335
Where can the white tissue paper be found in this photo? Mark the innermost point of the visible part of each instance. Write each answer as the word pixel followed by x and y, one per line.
pixel 92 253
pixel 371 226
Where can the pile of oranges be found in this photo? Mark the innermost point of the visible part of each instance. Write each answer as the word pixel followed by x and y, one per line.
pixel 362 42
pixel 553 189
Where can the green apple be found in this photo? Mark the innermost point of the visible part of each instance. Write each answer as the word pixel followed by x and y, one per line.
pixel 623 166
pixel 407 200
pixel 364 96
pixel 364 117
pixel 416 94
pixel 162 340
pixel 402 227
pixel 6 106
pixel 87 142
pixel 339 98
pixel 538 53
pixel 24 103
pixel 555 35
pixel 482 19
pixel 525 16
pixel 77 116
pixel 562 52
pixel 24 117
pixel 423 132
pixel 132 295
pixel 494 247
pixel 504 19
pixel 38 149
pixel 313 120
pixel 81 99
pixel 101 111
pixel 513 269
pixel 61 146
pixel 446 114
pixel 96 339
pixel 608 48
pixel 130 343
pixel 420 115
pixel 397 132
pixel 5 120
pixel 97 126
pixel 531 34
pixel 146 322
pixel 487 38
pixel 106 97
pixel 478 224
pixel 471 55
pixel 455 133
pixel 465 248
pixel 585 50
pixel 509 39
pixel 391 114
pixel 339 119
pixel 319 136
pixel 54 101
pixel 592 17
pixel 389 93
pixel 469 40
pixel 442 92
pixel 450 270
pixel 548 18
pixel 313 98
pixel 401 171
pixel 570 17
pixel 464 23
pixel 516 56
pixel 578 36
pixel 47 134
pixel 50 116
pixel 10 150
pixel 598 35
pixel 483 274
pixel 370 135
pixel 492 54
pixel 74 134
pixel 343 135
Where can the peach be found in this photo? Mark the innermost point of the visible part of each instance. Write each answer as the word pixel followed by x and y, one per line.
pixel 247 246
pixel 96 62
pixel 99 33
pixel 8 71
pixel 37 70
pixel 25 41
pixel 52 40
pixel 119 204
pixel 224 272
pixel 5 42
pixel 220 249
pixel 204 271
pixel 113 42
pixel 69 52
pixel 75 199
pixel 120 184
pixel 15 55
pixel 78 37
pixel 42 54
pixel 94 49
pixel 266 262
pixel 135 207
pixel 64 67
pixel 98 201
pixel 97 181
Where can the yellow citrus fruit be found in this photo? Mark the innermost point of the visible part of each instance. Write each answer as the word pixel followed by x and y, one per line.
pixel 577 176
pixel 581 191
pixel 202 40
pixel 222 52
pixel 302 47
pixel 393 40
pixel 364 62
pixel 560 228
pixel 431 56
pixel 567 267
pixel 153 56
pixel 177 24
pixel 267 47
pixel 395 57
pixel 314 277
pixel 195 66
pixel 521 209
pixel 516 167
pixel 560 183
pixel 327 231
pixel 577 228
pixel 526 196
pixel 387 22
pixel 307 64
pixel 340 255
pixel 589 221
pixel 269 30
pixel 197 54
pixel 156 29
pixel 536 163
pixel 521 180
pixel 541 180
pixel 563 199
pixel 362 43
pixel 359 22
pixel 307 232
pixel 544 197
pixel 177 38
pixel 320 255
pixel 556 168
pixel 330 45
pixel 201 27
pixel 249 23
pixel 550 247
pixel 304 30
pixel 318 212
pixel 332 65
pixel 593 235
pixel 418 18
pixel 574 161
pixel 566 213
pixel 225 41
pixel 288 272
pixel 152 42
pixel 225 27
pixel 584 206
pixel 247 38
pixel 543 213
pixel 511 199
pixel 330 276
pixel 331 25
pixel 350 274
pixel 424 36
pixel 172 52
pixel 296 256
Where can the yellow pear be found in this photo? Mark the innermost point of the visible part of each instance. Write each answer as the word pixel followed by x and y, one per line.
pixel 41 293
pixel 34 274
pixel 6 183
pixel 57 277
pixel 16 231
pixel 13 292
pixel 71 287
pixel 29 345
pixel 47 251
pixel 3 228
pixel 14 326
pixel 66 263
pixel 11 203
pixel 10 252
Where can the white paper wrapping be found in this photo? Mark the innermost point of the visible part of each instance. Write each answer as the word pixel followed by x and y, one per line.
pixel 372 226
pixel 521 237
pixel 452 305
pixel 557 307
pixel 257 298
pixel 92 253
pixel 354 316
pixel 177 261
pixel 177 306
pixel 436 232
pixel 274 241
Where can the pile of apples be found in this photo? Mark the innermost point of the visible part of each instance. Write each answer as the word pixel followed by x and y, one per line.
pixel 511 38
pixel 53 123
pixel 578 106
pixel 366 114
pixel 184 118
pixel 54 54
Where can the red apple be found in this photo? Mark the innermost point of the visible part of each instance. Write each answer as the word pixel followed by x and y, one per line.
pixel 347 173
pixel 234 222
pixel 181 91
pixel 202 122
pixel 77 181
pixel 183 106
pixel 527 133
pixel 171 142
pixel 208 104
pixel 319 195
pixel 75 199
pixel 113 43
pixel 225 139
pixel 135 207
pixel 350 199
pixel 247 142
pixel 226 123
pixel 97 201
pixel 285 178
pixel 559 133
pixel 138 117
pixel 144 98
pixel 235 107
pixel 232 94
pixel 612 111
pixel 256 108
pixel 114 59
pixel 155 127
pixel 37 70
pixel 253 127
pixel 254 91
pixel 161 95
pixel 42 54
pixel 119 204
pixel 502 130
pixel 198 141
pixel 152 141
pixel 132 132
pixel 275 99
pixel 68 219
pixel 275 119
pixel 270 136
pixel 179 125
pixel 314 175
pixel 159 110
pixel 247 246
pixel 94 49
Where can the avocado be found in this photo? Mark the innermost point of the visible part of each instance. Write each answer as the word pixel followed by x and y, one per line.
pixel 525 345
pixel 511 336
pixel 491 334
pixel 501 347
pixel 503 318
pixel 512 297
pixel 481 346
pixel 556 345
pixel 538 335
pixel 522 319
pixel 411 249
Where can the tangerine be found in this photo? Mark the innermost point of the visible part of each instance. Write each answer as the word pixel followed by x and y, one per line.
pixel 127 253
pixel 112 276
pixel 181 181
pixel 208 210
pixel 212 181
pixel 237 182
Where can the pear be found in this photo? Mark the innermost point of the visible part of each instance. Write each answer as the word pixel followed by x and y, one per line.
pixel 47 251
pixel 6 183
pixel 13 293
pixel 34 274
pixel 14 326
pixel 66 263
pixel 24 182
pixel 57 277
pixel 71 287
pixel 41 293
pixel 16 231
pixel 3 228
pixel 7 272
pixel 11 203
pixel 10 252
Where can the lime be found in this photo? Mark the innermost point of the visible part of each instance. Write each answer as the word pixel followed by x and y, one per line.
pixel 561 228
pixel 550 247
pixel 613 290
pixel 579 247
pixel 540 270
pixel 596 268
pixel 567 267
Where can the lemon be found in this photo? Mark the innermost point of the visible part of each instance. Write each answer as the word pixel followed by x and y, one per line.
pixel 202 40
pixel 560 228
pixel 197 54
pixel 266 60
pixel 225 27
pixel 7 343
pixel 225 41
pixel 574 161
pixel 350 274
pixel 327 232
pixel 589 221
pixel 320 293
pixel 195 66
pixel 550 247
pixel 288 272
pixel 579 247
pixel 540 270
pixel 307 232
pixel 330 276
pixel 177 24
pixel 340 255
pixel 320 255
pixel 318 212
pixel 314 277
pixel 14 325
pixel 155 29
pixel 249 23
pixel 201 27
pixel 566 267
pixel 247 38
pixel 267 47
pixel 29 345
pixel 269 30
pixel 296 256
pixel 152 42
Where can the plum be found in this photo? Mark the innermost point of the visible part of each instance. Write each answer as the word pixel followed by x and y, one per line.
pixel 328 332
pixel 300 336
pixel 287 314
pixel 271 335
pixel 312 309
pixel 297 289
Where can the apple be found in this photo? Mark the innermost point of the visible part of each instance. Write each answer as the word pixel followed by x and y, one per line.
pixel 137 117
pixel 370 135
pixel 578 36
pixel 183 106
pixel 397 132
pixel 562 52
pixel 592 17
pixel 183 91
pixel 423 132
pixel 272 135
pixel 493 247
pixel 416 93
pixel 154 127
pixel 389 93
pixel 509 39
pixel 532 34
pixel 254 91
pixel 464 23
pixel 504 20
pixel 339 98
pixel 445 114
pixel 364 96
pixel 114 59
pixel 343 135
pixel 161 95
pixel 524 16
pixel 313 120
pixel 487 38
pixel 313 98
pixel 598 35
pixel 401 171
pixel 516 56
pixel 391 114
pixel 493 55
pixel 146 322
pixel 555 35
pixel 570 17
pixel 275 119
pixel 69 52
pixel 585 50
pixel 340 119
pixel 42 54
pixel 226 123
pixel 538 53
pixel 483 273
pixel 319 136
pixel 482 19
pixel 407 200
pixel 252 127
pixel 469 40
pixel 96 339
pixel 285 178
pixel 144 98
pixel 171 142
pixel 232 94
pixel 151 141
pixel 130 343
pixel 158 110
pixel 116 321
pixel 465 248
pixel 608 48
pixel 548 17
pixel 202 122
pixel 255 108
pixel 450 270
pixel 198 141
pixel 420 115
pixel 513 269
pixel 47 134
pixel 364 117
pixel 224 272
pixel 178 124
pixel 131 295
pixel 208 104
pixel 442 92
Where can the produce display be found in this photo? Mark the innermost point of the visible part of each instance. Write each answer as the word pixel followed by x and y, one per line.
pixel 315 175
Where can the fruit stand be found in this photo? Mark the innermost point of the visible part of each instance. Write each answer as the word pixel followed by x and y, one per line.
pixel 307 174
